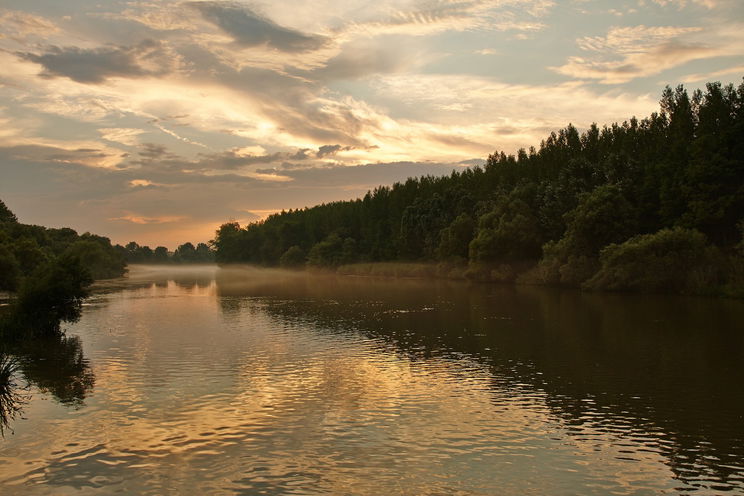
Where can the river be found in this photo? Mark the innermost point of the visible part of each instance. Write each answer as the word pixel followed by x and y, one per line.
pixel 199 380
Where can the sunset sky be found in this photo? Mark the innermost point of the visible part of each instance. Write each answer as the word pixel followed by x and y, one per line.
pixel 158 121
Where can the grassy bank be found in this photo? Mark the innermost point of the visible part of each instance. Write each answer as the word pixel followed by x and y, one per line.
pixel 713 276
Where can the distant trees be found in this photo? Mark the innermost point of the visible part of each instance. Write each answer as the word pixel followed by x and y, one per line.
pixel 555 207
pixel 184 254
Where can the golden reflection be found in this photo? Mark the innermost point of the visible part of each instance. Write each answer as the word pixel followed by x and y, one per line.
pixel 201 389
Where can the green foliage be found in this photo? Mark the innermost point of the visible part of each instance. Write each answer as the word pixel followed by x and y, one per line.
pixel 50 269
pixel 670 260
pixel 560 203
pixel 29 254
pixel 26 248
pixel 6 215
pixel 327 253
pixel 349 251
pixel 510 232
pixel 53 293
pixel 602 217
pixel 455 239
pixel 186 253
pixel 294 257
pixel 160 254
pixel 10 270
pixel 101 262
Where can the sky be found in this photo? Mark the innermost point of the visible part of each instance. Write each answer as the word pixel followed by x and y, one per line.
pixel 158 121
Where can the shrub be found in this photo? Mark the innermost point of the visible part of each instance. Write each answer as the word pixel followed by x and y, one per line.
pixel 101 262
pixel 455 238
pixel 294 257
pixel 510 232
pixel 602 217
pixel 327 253
pixel 676 260
pixel 54 293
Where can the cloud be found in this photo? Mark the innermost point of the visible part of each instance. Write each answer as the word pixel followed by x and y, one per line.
pixel 712 76
pixel 232 159
pixel 361 177
pixel 680 4
pixel 142 183
pixel 88 154
pixel 152 151
pixel 250 29
pixel 141 219
pixel 428 17
pixel 174 134
pixel 96 65
pixel 362 58
pixel 633 39
pixel 18 25
pixel 239 158
pixel 627 53
pixel 329 150
pixel 161 15
pixel 125 136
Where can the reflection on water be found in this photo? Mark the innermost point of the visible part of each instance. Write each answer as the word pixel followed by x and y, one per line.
pixel 54 365
pixel 11 393
pixel 255 382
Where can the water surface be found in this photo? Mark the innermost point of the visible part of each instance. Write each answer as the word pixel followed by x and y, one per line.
pixel 199 380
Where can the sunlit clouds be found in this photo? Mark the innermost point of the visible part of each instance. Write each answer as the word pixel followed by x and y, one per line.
pixel 119 115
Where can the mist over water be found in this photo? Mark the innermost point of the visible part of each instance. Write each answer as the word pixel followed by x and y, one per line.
pixel 196 380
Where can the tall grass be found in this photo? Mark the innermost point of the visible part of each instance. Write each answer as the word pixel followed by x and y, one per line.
pixel 11 396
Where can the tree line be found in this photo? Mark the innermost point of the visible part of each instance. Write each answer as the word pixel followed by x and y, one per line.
pixel 184 254
pixel 655 204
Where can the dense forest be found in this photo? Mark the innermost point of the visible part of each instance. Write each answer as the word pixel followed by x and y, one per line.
pixel 650 205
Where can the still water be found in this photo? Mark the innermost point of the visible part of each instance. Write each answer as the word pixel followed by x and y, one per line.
pixel 211 381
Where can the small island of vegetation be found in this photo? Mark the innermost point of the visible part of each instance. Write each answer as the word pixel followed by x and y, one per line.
pixel 652 205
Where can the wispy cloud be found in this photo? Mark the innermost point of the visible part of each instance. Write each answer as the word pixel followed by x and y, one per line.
pixel 125 136
pixel 18 25
pixel 680 4
pixel 141 219
pixel 628 53
pixel 714 75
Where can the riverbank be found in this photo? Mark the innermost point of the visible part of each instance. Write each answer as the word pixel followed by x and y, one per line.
pixel 536 274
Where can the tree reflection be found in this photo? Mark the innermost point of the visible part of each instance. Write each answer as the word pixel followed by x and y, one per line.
pixel 54 365
pixel 12 397
pixel 663 369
